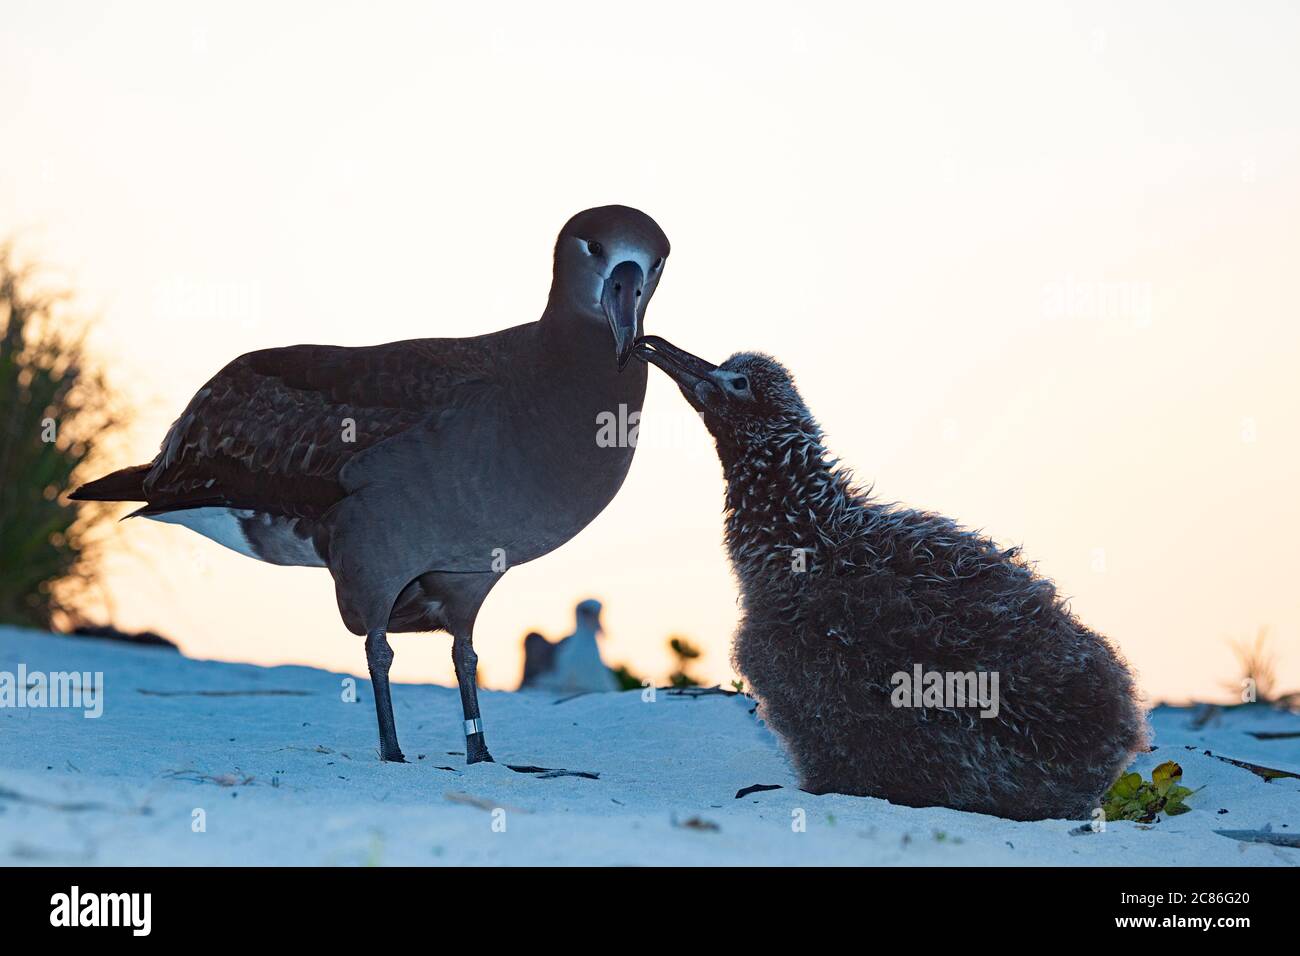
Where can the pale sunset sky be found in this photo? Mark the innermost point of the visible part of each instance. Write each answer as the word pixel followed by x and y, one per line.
pixel 1034 266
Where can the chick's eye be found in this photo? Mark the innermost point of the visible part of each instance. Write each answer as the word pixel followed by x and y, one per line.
pixel 595 248
pixel 740 384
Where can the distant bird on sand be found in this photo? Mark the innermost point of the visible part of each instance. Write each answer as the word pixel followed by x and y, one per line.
pixel 417 472
pixel 897 654
pixel 538 655
pixel 571 665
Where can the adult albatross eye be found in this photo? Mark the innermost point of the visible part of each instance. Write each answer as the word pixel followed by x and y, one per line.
pixel 594 247
pixel 658 264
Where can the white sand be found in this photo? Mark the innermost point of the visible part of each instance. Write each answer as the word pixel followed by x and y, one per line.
pixel 308 788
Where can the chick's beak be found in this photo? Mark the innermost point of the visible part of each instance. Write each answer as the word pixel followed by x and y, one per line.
pixel 693 375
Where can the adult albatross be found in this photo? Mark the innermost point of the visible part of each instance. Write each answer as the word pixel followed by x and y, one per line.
pixel 418 472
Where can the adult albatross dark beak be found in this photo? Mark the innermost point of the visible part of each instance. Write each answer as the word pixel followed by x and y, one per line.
pixel 621 301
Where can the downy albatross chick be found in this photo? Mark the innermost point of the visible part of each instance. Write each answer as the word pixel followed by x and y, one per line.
pixel 419 471
pixel 844 599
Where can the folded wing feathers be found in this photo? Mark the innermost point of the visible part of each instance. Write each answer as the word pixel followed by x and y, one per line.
pixel 269 429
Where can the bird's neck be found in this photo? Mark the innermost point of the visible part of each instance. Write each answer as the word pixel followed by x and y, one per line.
pixel 591 413
pixel 577 357
pixel 787 502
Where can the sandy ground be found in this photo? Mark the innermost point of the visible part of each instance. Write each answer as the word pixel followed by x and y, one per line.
pixel 279 769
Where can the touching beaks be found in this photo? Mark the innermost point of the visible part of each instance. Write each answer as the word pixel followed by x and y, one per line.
pixel 693 375
pixel 621 301
pixel 678 363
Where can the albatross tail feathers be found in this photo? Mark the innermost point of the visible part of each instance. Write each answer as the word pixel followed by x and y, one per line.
pixel 124 485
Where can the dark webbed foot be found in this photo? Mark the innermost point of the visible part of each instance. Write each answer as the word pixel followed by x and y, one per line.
pixel 392 756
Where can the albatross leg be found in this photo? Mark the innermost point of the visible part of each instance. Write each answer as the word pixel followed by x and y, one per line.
pixel 466 661
pixel 379 656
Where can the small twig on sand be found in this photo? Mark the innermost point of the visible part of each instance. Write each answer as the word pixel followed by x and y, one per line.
pixel 77 806
pixel 1265 835
pixel 697 823
pixel 220 779
pixel 1268 773
pixel 694 692
pixel 481 803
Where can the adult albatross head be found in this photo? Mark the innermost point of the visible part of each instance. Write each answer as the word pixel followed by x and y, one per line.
pixel 608 261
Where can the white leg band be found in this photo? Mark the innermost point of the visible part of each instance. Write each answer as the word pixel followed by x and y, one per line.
pixel 474 726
